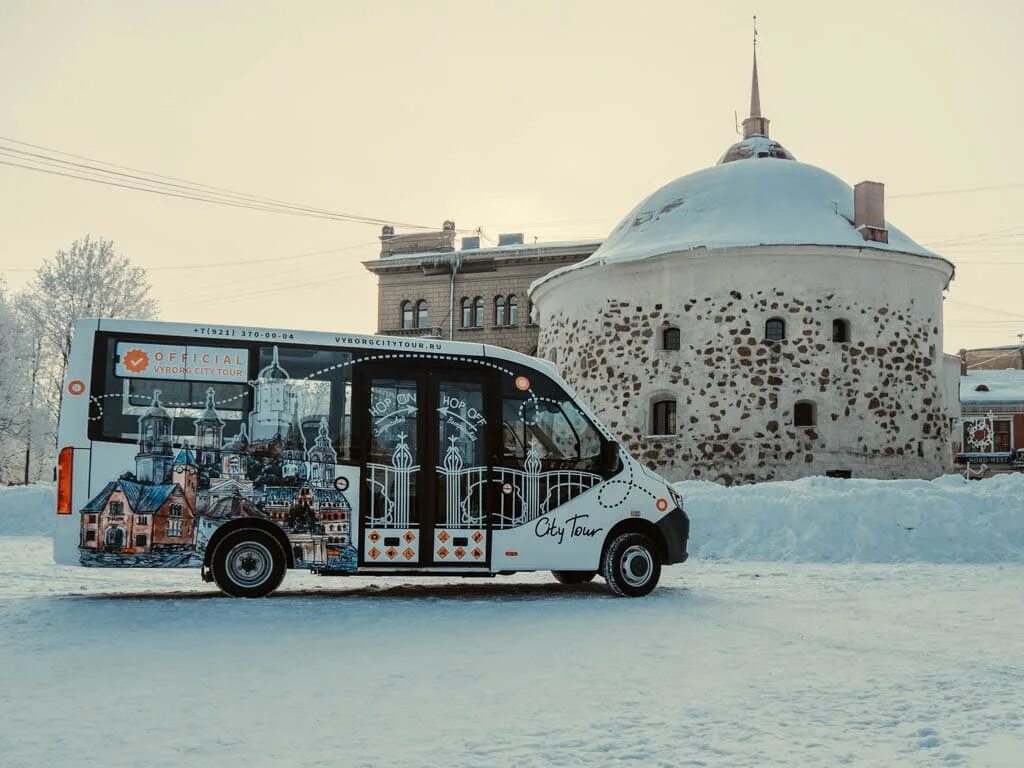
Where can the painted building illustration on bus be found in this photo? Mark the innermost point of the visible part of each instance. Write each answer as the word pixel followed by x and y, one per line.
pixel 164 512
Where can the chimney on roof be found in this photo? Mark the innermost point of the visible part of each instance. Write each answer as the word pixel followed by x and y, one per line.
pixel 869 211
pixel 962 354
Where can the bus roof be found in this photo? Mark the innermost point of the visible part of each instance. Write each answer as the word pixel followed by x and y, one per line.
pixel 242 333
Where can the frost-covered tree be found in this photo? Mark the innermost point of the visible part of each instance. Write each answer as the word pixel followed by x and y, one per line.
pixel 24 417
pixel 89 279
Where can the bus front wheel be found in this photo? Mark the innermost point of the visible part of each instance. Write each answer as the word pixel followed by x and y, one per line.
pixel 248 563
pixel 573 577
pixel 632 565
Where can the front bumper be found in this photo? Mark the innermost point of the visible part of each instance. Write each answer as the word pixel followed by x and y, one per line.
pixel 675 529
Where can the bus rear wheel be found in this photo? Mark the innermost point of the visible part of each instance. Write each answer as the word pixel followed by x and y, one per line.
pixel 632 565
pixel 573 577
pixel 248 563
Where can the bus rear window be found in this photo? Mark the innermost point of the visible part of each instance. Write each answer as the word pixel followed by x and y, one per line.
pixel 118 401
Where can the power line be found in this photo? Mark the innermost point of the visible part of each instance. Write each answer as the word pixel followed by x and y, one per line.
pixel 170 185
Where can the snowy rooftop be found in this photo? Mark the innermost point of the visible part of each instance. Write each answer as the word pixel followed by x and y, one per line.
pixel 1000 387
pixel 751 202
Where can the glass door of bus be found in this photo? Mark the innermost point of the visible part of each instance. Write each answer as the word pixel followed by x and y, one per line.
pixel 427 490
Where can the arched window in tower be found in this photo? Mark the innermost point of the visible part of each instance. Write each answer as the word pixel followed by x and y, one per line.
pixel 775 329
pixel 478 312
pixel 670 338
pixel 513 310
pixel 663 416
pixel 805 414
pixel 467 312
pixel 840 330
pixel 407 314
pixel 421 313
pixel 499 310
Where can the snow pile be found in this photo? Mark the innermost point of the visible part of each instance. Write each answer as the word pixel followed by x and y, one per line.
pixel 818 519
pixel 27 510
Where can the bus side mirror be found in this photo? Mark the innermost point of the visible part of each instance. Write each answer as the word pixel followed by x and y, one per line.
pixel 609 458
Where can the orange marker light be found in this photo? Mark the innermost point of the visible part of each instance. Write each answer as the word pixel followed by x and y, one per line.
pixel 511 553
pixel 64 470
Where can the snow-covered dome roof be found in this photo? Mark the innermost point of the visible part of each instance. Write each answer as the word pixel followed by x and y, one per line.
pixel 752 202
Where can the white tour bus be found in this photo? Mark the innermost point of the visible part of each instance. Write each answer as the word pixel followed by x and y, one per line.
pixel 246 451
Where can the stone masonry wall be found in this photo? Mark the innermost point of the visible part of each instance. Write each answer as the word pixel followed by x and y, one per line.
pixel 877 397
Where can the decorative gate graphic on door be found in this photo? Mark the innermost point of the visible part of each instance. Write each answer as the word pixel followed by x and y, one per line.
pixel 392 526
pixel 460 532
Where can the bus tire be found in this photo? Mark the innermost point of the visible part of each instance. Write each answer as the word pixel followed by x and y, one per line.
pixel 573 577
pixel 248 563
pixel 632 565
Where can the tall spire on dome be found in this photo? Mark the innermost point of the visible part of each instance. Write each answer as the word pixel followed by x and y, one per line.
pixel 755 125
pixel 755 92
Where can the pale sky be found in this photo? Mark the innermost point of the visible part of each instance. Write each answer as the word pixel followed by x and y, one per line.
pixel 551 118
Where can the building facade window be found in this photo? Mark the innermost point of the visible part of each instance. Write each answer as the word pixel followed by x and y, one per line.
pixel 663 417
pixel 142 520
pixel 176 510
pixel 804 414
pixel 90 535
pixel 670 338
pixel 513 310
pixel 421 313
pixel 478 312
pixel 775 329
pixel 499 310
pixel 407 314
pixel 116 508
pixel 140 540
pixel 174 527
pixel 467 312
pixel 840 330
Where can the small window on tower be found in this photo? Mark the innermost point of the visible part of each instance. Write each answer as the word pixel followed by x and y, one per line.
pixel 804 414
pixel 663 417
pixel 775 329
pixel 840 330
pixel 670 338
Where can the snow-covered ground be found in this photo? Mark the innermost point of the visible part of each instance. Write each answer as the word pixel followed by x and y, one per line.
pixel 817 519
pixel 741 664
pixel 909 652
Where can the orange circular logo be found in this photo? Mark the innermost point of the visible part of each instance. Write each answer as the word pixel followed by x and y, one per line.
pixel 76 386
pixel 661 504
pixel 136 361
pixel 522 383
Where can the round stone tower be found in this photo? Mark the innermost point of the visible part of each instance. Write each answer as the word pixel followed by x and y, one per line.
pixel 758 320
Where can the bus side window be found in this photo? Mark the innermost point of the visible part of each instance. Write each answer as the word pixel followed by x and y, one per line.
pixel 304 395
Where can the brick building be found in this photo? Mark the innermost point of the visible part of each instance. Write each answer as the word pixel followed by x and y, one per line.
pixel 993 358
pixel 427 287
